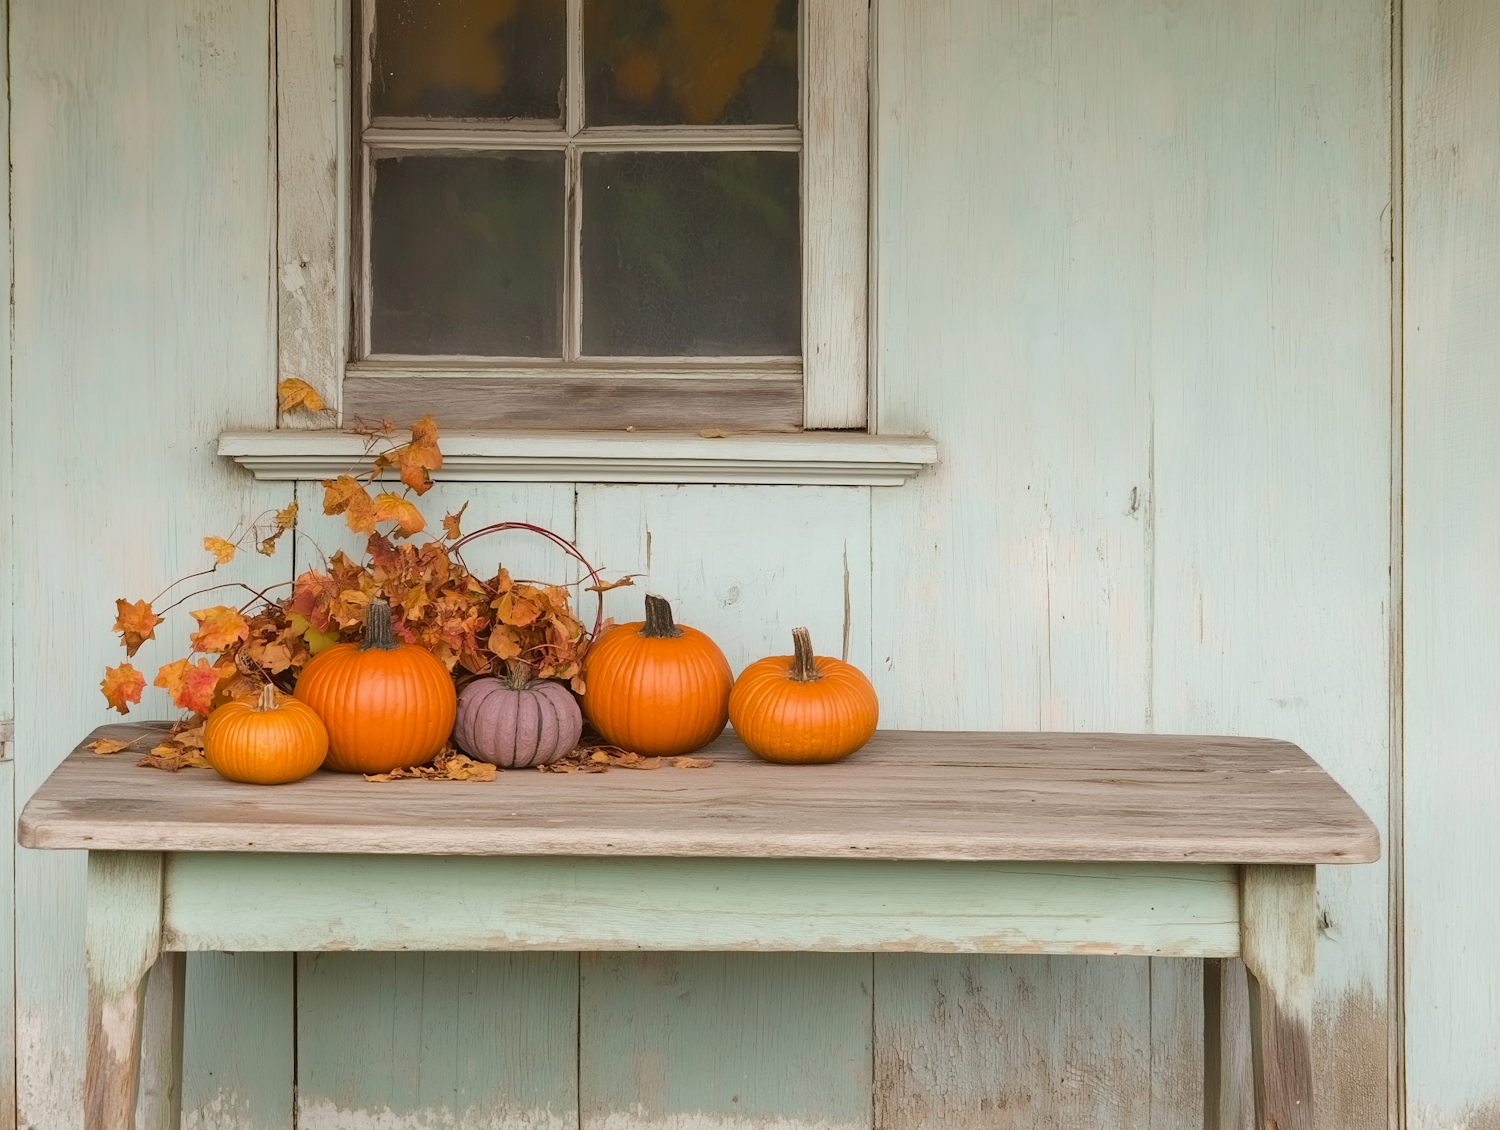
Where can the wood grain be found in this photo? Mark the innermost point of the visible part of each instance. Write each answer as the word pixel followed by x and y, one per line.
pixel 124 939
pixel 731 1041
pixel 469 1040
pixel 143 218
pixel 1071 797
pixel 835 213
pixel 311 333
pixel 954 1050
pixel 238 1065
pixel 1278 911
pixel 159 1092
pixel 562 402
pixel 245 902
pixel 1452 615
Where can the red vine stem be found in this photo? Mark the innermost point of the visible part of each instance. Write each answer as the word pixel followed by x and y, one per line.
pixel 557 539
pixel 211 588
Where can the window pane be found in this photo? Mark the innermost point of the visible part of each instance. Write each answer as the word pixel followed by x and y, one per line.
pixel 469 58
pixel 690 62
pixel 467 255
pixel 691 254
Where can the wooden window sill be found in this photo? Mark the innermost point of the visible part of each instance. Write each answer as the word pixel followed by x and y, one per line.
pixel 790 459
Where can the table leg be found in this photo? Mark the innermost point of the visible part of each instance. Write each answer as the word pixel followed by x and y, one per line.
pixel 159 1105
pixel 1278 935
pixel 123 940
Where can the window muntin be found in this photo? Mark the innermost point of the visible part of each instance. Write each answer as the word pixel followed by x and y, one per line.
pixel 680 234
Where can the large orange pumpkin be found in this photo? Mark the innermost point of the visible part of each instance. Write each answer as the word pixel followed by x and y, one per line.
pixel 387 705
pixel 656 687
pixel 802 708
pixel 265 742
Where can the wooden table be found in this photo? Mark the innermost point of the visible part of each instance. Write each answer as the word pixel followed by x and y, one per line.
pixel 944 842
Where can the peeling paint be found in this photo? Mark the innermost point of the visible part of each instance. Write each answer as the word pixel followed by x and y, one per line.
pixel 1350 1053
pixel 225 1111
pixel 49 1083
pixel 1486 1117
pixel 323 1114
pixel 641 1119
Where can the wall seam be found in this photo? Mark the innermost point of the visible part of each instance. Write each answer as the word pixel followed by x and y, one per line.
pixel 1395 816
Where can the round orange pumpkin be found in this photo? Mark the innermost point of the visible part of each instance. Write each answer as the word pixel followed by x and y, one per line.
pixel 656 687
pixel 387 705
pixel 265 742
pixel 802 708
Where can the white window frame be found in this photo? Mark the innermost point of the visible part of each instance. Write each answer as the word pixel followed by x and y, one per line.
pixel 317 314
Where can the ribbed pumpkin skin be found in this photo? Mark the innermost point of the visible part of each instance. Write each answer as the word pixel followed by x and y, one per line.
pixel 384 709
pixel 656 697
pixel 271 747
pixel 803 723
pixel 516 729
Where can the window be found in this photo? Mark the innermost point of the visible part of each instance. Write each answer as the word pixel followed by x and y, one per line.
pixel 586 214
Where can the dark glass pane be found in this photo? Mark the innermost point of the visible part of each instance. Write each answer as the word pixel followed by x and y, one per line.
pixel 469 58
pixel 467 255
pixel 690 62
pixel 691 254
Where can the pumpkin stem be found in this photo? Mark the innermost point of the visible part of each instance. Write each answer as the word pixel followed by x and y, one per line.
pixel 658 625
pixel 267 700
pixel 804 666
pixel 378 632
pixel 519 677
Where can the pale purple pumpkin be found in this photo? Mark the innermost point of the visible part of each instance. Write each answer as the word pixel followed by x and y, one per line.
pixel 516 722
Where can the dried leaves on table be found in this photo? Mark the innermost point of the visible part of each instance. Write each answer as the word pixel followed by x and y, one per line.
pixel 449 765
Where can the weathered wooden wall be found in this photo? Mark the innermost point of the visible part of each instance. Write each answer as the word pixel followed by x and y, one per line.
pixel 1452 505
pixel 1133 275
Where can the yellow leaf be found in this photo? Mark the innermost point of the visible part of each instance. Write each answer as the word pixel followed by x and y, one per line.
pixel 219 628
pixel 122 685
pixel 221 549
pixel 394 508
pixel 136 624
pixel 691 762
pixel 294 393
pixel 107 745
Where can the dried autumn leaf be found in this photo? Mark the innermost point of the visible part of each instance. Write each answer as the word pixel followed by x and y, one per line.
pixel 691 762
pixel 122 685
pixel 628 580
pixel 286 518
pixel 190 686
pixel 394 508
pixel 713 433
pixel 136 624
pixel 222 550
pixel 347 496
pixel 420 456
pixel 107 745
pixel 450 524
pixel 219 628
pixel 294 392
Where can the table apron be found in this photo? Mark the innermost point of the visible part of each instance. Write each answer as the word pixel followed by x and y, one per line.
pixel 248 902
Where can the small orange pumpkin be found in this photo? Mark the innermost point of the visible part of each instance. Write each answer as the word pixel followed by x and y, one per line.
pixel 655 687
pixel 387 705
pixel 802 708
pixel 265 742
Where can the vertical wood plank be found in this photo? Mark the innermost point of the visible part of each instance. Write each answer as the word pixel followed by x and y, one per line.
pixel 1011 583
pixel 144 244
pixel 311 74
pixel 1278 911
pixel 744 564
pixel 7 949
pixel 725 1041
pixel 961 1042
pixel 405 1041
pixel 1452 496
pixel 1268 347
pixel 684 1041
pixel 835 209
pixel 239 1024
pixel 1178 1029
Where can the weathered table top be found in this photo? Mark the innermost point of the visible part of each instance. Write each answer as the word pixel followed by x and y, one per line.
pixel 906 795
